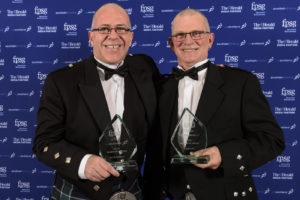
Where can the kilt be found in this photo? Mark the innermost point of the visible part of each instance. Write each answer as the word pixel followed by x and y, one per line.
pixel 64 190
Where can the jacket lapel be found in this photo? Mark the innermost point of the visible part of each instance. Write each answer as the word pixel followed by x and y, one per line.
pixel 167 102
pixel 211 96
pixel 93 94
pixel 144 85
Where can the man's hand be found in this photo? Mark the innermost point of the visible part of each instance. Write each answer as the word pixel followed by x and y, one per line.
pixel 97 169
pixel 214 155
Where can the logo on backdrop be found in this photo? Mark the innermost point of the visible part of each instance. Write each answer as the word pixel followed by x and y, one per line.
pixel 17 1
pixel 3 125
pixel 19 78
pixel 153 27
pixel 78 12
pixel 285 110
pixel 156 44
pixel 289 127
pixel 4 186
pixel 19 61
pixel 221 26
pixel 22 126
pixel 258 9
pixel 41 77
pixel 231 60
pixel 231 9
pixel 129 10
pixel 257 26
pixel 2 61
pixel 260 76
pixel 71 29
pixel 290 26
pixel 46 29
pixel 24 186
pixel 284 161
pixel 70 45
pixel 16 13
pixel 268 93
pixel 42 13
pixel 287 42
pixel 288 94
pixel 3 171
pixel 147 11
pixel 22 140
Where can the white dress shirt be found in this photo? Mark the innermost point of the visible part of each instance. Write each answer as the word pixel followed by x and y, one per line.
pixel 114 93
pixel 189 93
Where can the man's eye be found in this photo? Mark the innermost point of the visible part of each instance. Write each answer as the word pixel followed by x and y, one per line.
pixel 180 35
pixel 120 29
pixel 196 33
pixel 104 29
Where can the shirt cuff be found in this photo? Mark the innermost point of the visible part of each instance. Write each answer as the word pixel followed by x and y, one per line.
pixel 82 166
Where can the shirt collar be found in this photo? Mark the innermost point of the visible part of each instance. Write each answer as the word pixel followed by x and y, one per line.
pixel 196 65
pixel 109 65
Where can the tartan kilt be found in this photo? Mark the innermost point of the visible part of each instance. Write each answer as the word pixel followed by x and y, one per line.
pixel 64 190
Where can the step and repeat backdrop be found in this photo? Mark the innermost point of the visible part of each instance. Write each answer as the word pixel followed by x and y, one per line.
pixel 39 36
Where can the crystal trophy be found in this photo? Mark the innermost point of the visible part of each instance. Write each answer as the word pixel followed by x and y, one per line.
pixel 189 135
pixel 117 146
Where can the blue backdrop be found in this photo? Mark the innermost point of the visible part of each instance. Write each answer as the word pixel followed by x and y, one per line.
pixel 38 36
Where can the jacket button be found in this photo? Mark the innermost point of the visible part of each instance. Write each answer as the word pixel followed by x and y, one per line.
pixel 188 187
pixel 56 155
pixel 242 168
pixel 68 160
pixel 45 149
pixel 235 194
pixel 239 157
pixel 96 188
pixel 243 193
pixel 250 189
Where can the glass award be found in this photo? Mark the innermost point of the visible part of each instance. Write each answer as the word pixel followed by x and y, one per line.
pixel 117 146
pixel 189 135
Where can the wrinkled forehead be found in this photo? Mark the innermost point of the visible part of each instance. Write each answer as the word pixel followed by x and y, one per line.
pixel 187 23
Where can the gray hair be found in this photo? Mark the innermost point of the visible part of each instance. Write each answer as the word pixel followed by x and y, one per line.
pixel 190 11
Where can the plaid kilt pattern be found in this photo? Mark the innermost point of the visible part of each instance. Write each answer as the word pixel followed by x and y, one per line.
pixel 64 190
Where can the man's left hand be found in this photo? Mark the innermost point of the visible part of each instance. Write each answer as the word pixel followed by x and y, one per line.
pixel 215 158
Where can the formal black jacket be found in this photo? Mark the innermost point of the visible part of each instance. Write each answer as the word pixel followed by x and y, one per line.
pixel 73 112
pixel 239 122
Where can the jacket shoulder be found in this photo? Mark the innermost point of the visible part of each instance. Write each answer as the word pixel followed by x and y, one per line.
pixel 70 68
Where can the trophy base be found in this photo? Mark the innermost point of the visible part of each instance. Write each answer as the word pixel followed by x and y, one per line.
pixel 189 159
pixel 129 165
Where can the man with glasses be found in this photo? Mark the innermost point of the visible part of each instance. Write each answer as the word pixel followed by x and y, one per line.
pixel 80 100
pixel 242 133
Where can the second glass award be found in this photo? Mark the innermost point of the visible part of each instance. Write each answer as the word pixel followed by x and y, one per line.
pixel 190 135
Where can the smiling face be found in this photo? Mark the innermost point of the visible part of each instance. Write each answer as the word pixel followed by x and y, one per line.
pixel 190 51
pixel 110 48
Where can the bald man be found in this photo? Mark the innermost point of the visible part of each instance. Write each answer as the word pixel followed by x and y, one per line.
pixel 80 100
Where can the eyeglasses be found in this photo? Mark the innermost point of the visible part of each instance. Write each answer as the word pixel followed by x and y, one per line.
pixel 107 30
pixel 195 35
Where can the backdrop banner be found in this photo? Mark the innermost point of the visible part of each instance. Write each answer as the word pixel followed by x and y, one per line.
pixel 39 36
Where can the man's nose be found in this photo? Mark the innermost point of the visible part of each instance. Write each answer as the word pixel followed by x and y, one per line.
pixel 188 39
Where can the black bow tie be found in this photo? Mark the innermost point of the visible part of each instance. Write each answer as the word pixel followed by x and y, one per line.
pixel 192 72
pixel 108 73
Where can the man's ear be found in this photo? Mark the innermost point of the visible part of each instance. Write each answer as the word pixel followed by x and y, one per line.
pixel 91 39
pixel 170 41
pixel 211 39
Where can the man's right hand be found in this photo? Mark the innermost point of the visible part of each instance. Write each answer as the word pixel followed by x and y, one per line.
pixel 97 169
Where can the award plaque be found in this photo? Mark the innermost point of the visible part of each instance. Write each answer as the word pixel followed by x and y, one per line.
pixel 117 146
pixel 190 135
